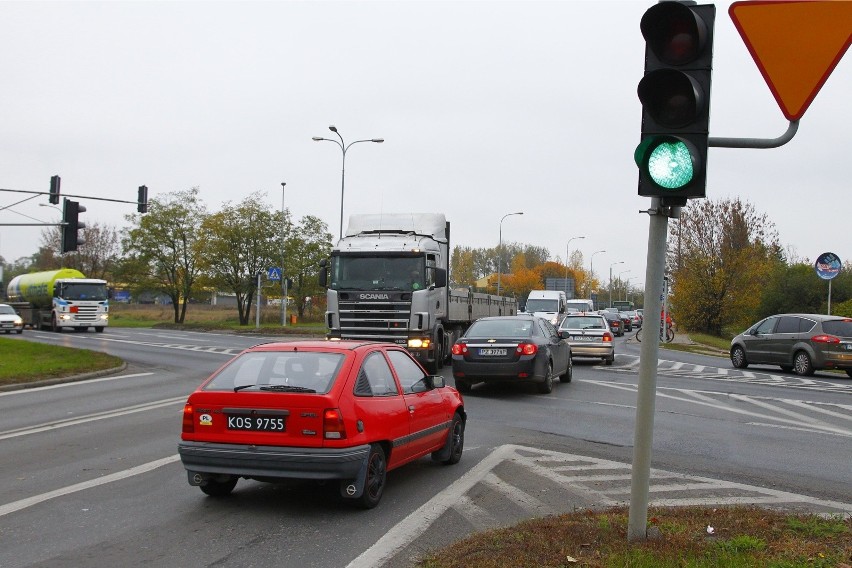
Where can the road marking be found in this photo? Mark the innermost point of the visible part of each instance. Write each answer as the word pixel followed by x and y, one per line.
pixel 50 426
pixel 133 471
pixel 73 384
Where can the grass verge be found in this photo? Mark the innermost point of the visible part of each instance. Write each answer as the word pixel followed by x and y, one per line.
pixel 688 537
pixel 25 361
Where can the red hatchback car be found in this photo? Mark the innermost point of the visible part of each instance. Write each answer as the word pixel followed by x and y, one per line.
pixel 326 410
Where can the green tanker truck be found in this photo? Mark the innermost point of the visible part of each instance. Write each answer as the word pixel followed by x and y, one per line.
pixel 60 299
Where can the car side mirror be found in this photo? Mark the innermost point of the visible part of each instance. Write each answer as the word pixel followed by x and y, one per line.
pixel 435 382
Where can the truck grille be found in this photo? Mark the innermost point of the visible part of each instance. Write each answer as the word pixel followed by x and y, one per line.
pixel 86 313
pixel 376 320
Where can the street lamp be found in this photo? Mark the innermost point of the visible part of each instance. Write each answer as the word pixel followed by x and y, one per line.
pixel 592 271
pixel 610 280
pixel 343 148
pixel 627 286
pixel 567 254
pixel 500 247
pixel 619 279
pixel 283 241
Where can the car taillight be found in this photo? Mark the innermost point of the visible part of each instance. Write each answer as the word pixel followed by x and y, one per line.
pixel 607 336
pixel 825 339
pixel 188 424
pixel 332 425
pixel 459 348
pixel 527 348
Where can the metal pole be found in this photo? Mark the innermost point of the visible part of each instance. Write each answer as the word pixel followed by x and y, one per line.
pixel 283 240
pixel 644 428
pixel 567 254
pixel 500 247
pixel 257 306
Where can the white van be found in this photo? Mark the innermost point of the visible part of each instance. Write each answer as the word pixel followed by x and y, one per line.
pixel 579 305
pixel 548 304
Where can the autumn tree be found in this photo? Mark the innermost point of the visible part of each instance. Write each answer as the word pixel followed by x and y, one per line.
pixel 305 246
pixel 463 267
pixel 719 256
pixel 96 255
pixel 161 248
pixel 240 241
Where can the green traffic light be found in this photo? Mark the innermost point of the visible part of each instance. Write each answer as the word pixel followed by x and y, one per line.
pixel 670 164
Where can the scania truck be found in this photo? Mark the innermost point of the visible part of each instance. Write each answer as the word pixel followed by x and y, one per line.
pixel 388 280
pixel 60 299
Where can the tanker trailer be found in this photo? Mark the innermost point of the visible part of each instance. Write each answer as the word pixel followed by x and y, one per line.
pixel 60 299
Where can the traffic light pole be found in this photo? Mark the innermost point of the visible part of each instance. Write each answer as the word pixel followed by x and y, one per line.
pixel 760 143
pixel 643 435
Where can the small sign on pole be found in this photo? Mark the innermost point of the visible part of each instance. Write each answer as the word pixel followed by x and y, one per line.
pixel 828 266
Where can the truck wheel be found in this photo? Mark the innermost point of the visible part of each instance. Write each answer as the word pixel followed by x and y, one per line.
pixel 54 326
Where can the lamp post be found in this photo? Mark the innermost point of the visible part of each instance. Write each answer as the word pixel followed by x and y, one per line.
pixel 625 285
pixel 343 148
pixel 283 240
pixel 567 254
pixel 500 247
pixel 592 271
pixel 610 280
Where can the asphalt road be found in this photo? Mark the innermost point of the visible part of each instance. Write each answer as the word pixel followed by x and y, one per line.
pixel 91 475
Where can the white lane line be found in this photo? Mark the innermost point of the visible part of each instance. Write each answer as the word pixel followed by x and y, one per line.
pixel 73 384
pixel 36 499
pixel 50 426
pixel 417 522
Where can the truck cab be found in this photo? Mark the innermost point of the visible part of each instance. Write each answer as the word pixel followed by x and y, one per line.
pixel 547 304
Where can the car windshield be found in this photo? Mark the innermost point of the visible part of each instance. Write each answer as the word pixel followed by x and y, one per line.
pixel 537 305
pixel 585 322
pixel 510 327
pixel 7 310
pixel 279 371
pixel 840 328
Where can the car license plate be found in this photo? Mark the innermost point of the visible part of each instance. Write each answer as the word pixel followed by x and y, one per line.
pixel 583 338
pixel 257 423
pixel 7 325
pixel 491 352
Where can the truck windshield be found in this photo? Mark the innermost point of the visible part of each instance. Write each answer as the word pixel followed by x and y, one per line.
pixel 542 306
pixel 96 292
pixel 352 272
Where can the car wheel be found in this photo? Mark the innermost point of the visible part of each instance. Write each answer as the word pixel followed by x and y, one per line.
pixel 452 451
pixel 219 488
pixel 99 329
pixel 849 372
pixel 374 482
pixel 802 364
pixel 462 386
pixel 547 386
pixel 738 357
pixel 569 372
pixel 20 331
pixel 609 360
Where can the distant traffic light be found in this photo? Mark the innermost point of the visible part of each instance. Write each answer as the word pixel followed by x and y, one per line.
pixel 71 225
pixel 142 199
pixel 675 96
pixel 54 190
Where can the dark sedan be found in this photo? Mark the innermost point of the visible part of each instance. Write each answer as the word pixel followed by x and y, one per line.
pixel 515 349
pixel 615 323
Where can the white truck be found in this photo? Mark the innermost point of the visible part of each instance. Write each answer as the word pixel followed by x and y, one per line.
pixel 547 304
pixel 60 299
pixel 387 280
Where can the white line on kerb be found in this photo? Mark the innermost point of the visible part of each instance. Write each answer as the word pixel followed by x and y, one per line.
pixel 73 384
pixel 36 499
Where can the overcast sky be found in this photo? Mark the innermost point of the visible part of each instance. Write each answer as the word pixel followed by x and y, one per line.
pixel 486 108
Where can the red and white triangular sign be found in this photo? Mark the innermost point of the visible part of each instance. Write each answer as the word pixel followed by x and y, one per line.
pixel 796 45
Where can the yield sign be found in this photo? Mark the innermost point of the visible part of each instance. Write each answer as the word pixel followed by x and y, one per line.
pixel 796 45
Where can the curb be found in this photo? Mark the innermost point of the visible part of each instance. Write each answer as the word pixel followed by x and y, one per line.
pixel 61 380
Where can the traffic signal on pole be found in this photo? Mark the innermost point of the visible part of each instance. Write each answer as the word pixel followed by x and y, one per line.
pixel 71 225
pixel 675 96
pixel 54 190
pixel 142 199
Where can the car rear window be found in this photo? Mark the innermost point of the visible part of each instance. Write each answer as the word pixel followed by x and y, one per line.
pixel 840 328
pixel 583 323
pixel 299 369
pixel 501 328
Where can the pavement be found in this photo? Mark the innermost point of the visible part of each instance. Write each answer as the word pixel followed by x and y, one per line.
pixel 514 483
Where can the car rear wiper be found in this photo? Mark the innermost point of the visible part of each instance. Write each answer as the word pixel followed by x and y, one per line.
pixel 285 388
pixel 241 387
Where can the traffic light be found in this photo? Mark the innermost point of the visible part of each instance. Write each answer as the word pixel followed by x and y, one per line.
pixel 675 96
pixel 142 199
pixel 54 190
pixel 71 225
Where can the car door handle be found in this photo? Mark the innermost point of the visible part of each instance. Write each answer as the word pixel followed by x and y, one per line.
pixel 411 408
